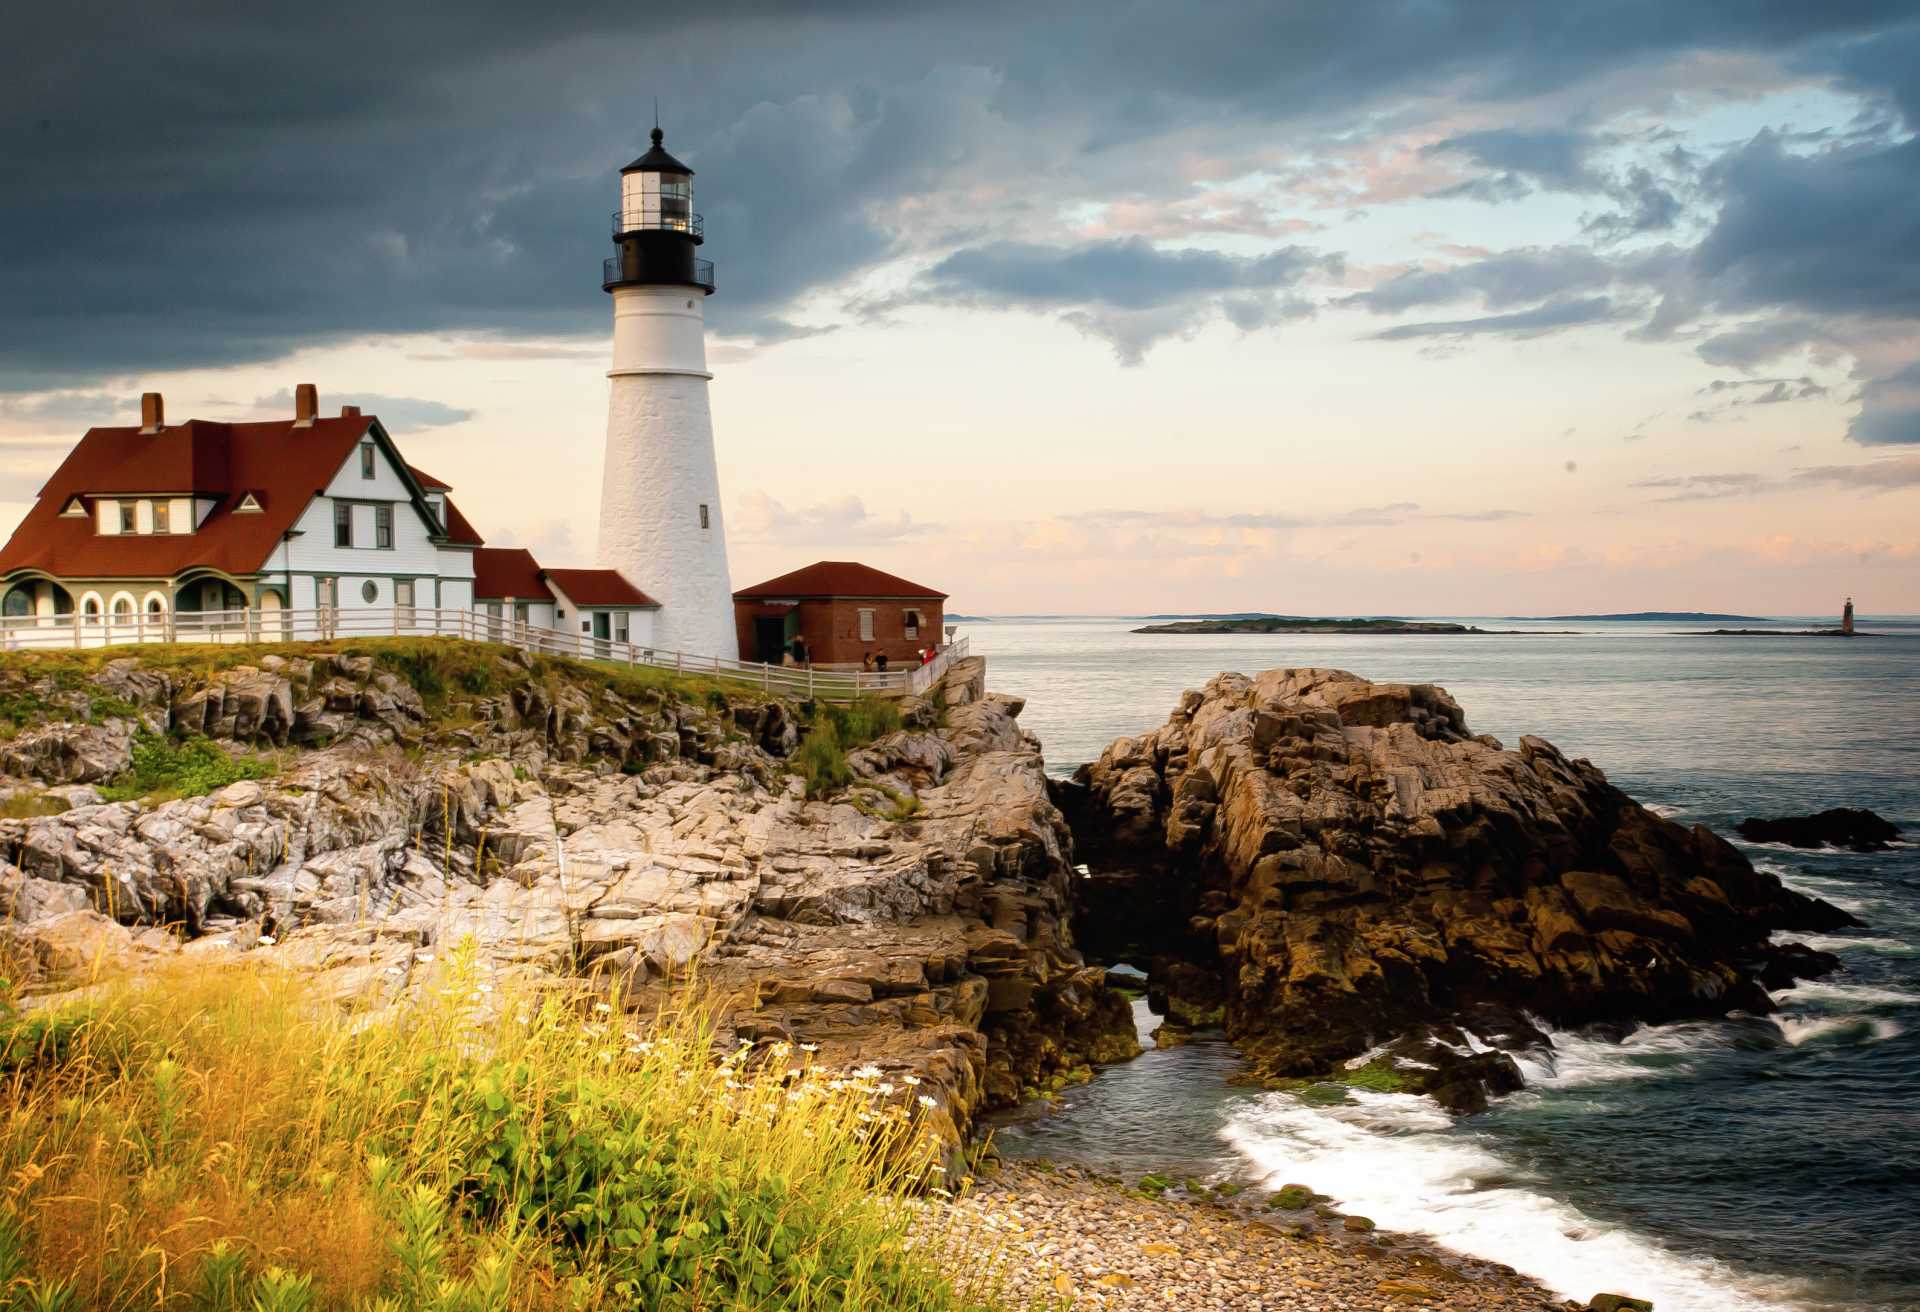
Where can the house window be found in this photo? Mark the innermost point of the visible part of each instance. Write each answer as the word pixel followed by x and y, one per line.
pixel 90 608
pixel 912 618
pixel 403 598
pixel 369 592
pixel 343 523
pixel 620 626
pixel 156 607
pixel 129 516
pixel 383 527
pixel 366 460
pixel 522 612
pixel 161 509
pixel 327 593
pixel 705 519
pixel 866 626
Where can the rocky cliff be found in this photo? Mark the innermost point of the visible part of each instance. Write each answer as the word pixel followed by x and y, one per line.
pixel 1328 865
pixel 619 832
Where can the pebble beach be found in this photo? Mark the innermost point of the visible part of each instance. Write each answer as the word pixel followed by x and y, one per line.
pixel 1061 1236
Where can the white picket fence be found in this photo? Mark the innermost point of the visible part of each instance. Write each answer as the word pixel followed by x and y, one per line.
pixel 68 632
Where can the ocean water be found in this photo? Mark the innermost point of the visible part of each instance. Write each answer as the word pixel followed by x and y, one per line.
pixel 1739 1166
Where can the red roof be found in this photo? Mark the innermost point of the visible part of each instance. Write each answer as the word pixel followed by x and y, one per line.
pixel 598 587
pixel 459 530
pixel 839 578
pixel 285 467
pixel 428 481
pixel 500 572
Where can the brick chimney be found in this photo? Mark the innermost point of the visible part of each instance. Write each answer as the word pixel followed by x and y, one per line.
pixel 153 412
pixel 349 412
pixel 306 405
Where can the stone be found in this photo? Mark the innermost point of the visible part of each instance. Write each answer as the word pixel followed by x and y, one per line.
pixel 71 753
pixel 1856 829
pixel 559 829
pixel 1332 862
pixel 1618 1303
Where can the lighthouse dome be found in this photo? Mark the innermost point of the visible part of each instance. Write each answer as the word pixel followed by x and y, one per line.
pixel 657 160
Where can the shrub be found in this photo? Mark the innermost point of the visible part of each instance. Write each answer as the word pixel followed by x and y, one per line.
pixel 192 767
pixel 821 758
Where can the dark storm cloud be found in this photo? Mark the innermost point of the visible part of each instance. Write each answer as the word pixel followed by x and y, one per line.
pixel 1126 291
pixel 1889 409
pixel 1552 158
pixel 191 186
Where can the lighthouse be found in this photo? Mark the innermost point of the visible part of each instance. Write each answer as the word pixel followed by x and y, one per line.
pixel 660 518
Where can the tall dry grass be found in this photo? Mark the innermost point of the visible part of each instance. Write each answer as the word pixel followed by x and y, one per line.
pixel 211 1137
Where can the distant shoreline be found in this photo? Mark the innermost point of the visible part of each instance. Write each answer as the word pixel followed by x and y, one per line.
pixel 1295 624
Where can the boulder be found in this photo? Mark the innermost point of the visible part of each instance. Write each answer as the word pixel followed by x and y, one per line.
pixel 65 753
pixel 1344 861
pixel 1856 829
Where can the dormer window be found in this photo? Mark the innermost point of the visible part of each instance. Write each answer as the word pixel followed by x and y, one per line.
pixel 161 519
pixel 129 516
pixel 249 505
pixel 75 508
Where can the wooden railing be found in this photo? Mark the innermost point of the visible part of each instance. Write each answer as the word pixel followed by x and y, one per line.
pixel 68 632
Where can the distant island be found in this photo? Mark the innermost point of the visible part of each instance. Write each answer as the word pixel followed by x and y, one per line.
pixel 969 619
pixel 1668 616
pixel 1301 624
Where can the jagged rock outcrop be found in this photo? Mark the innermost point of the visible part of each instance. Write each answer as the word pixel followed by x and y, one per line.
pixel 1332 863
pixel 613 835
pixel 1853 828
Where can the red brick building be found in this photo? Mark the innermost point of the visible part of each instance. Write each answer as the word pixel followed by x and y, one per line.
pixel 843 610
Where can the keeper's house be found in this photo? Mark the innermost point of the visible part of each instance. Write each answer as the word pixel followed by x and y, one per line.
pixel 845 612
pixel 306 513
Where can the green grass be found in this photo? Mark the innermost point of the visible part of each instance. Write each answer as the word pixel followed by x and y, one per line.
pixel 165 768
pixel 821 758
pixel 26 806
pixel 213 1138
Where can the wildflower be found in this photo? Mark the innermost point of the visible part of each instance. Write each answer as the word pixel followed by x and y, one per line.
pixel 885 1089
pixel 781 1049
pixel 809 1047
pixel 602 1008
pixel 909 1080
pixel 795 1073
pixel 927 1102
pixel 868 1072
pixel 937 1169
pixel 265 940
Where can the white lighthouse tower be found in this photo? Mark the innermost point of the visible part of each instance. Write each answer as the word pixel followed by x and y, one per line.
pixel 660 522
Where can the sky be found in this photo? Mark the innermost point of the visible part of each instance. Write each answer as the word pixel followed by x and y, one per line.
pixel 1421 307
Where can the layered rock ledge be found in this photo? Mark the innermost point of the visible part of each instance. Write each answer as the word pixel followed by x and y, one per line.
pixel 620 834
pixel 1327 865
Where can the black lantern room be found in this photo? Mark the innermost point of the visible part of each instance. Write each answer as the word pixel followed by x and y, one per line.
pixel 655 226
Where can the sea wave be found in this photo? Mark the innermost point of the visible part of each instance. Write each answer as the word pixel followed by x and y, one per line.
pixel 1801 1030
pixel 1892 947
pixel 1846 995
pixel 1403 1163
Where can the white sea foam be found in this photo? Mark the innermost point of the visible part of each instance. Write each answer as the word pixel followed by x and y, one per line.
pixel 1846 995
pixel 1843 893
pixel 1892 947
pixel 1396 1159
pixel 1801 1030
pixel 1576 1060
